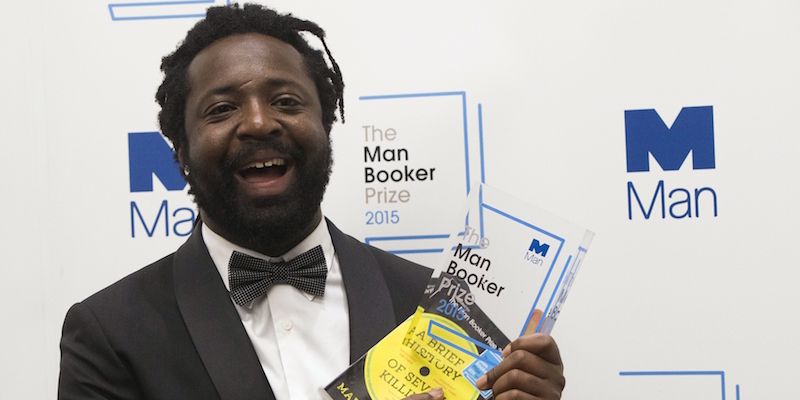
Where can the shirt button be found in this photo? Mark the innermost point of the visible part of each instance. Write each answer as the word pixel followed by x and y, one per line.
pixel 287 325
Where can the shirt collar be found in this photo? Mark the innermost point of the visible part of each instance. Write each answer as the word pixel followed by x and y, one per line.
pixel 220 250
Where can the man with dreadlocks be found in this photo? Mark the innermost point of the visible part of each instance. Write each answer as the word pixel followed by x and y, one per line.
pixel 267 299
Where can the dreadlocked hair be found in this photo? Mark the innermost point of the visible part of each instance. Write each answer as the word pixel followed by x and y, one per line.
pixel 224 21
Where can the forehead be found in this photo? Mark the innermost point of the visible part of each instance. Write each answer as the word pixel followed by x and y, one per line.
pixel 241 58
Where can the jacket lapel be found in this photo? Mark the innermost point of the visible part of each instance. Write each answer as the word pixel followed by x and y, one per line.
pixel 215 326
pixel 368 300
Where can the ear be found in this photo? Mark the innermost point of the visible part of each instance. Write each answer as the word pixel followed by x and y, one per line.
pixel 179 155
pixel 181 158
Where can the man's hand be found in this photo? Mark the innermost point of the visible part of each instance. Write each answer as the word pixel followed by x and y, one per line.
pixel 435 394
pixel 531 369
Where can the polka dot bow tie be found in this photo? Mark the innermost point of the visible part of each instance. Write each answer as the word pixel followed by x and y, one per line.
pixel 251 277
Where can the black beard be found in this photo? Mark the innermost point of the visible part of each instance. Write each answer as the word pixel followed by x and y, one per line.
pixel 257 223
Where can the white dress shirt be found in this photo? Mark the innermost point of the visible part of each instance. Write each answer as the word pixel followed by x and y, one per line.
pixel 302 341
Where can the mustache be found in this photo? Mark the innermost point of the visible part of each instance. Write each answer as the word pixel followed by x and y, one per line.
pixel 248 149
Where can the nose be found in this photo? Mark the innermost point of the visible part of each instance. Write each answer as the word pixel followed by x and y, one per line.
pixel 257 120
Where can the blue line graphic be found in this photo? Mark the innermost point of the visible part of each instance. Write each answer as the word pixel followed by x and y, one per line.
pixel 480 141
pixel 480 210
pixel 377 238
pixel 519 221
pixel 369 240
pixel 411 95
pixel 415 251
pixel 721 375
pixel 483 174
pixel 549 302
pixel 114 8
pixel 431 323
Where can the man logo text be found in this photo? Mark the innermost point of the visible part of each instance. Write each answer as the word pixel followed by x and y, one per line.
pixel 646 134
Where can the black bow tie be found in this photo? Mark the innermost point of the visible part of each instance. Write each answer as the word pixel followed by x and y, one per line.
pixel 251 277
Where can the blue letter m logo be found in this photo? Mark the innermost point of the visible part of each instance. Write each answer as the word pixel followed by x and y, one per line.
pixel 693 130
pixel 149 154
pixel 539 248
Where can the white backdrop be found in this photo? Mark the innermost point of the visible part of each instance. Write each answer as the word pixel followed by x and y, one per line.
pixel 664 308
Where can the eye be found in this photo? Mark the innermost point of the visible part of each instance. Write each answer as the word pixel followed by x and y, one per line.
pixel 286 102
pixel 220 109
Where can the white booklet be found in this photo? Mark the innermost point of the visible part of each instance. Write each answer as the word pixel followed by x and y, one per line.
pixel 516 259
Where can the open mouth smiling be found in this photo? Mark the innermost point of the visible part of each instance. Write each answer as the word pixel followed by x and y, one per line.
pixel 265 171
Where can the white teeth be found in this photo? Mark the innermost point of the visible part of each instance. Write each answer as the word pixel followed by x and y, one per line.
pixel 269 163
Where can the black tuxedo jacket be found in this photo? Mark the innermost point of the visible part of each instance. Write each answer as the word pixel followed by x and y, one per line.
pixel 170 330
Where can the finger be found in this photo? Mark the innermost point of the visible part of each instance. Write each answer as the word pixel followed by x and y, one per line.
pixel 521 366
pixel 518 395
pixel 540 344
pixel 533 323
pixel 534 355
pixel 435 394
pixel 515 383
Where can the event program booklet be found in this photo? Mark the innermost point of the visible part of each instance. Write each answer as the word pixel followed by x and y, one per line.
pixel 506 272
